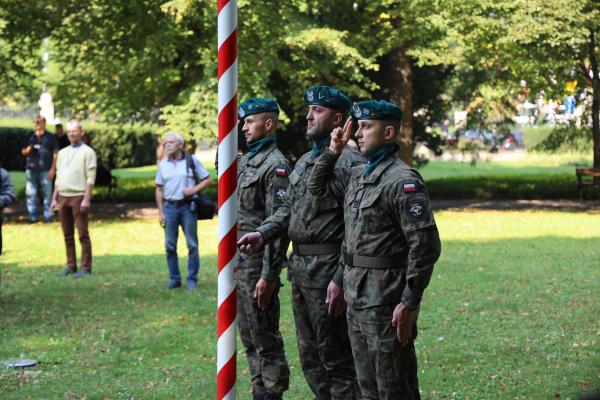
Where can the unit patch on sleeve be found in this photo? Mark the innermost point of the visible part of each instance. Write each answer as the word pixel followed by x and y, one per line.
pixel 416 209
pixel 280 194
pixel 280 171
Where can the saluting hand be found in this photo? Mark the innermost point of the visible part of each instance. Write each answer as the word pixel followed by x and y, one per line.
pixel 340 137
pixel 250 243
pixel 403 319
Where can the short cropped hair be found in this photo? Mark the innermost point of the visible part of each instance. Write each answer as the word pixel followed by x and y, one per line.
pixel 74 123
pixel 395 124
pixel 176 135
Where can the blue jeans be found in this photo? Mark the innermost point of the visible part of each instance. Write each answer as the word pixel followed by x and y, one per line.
pixel 37 181
pixel 176 216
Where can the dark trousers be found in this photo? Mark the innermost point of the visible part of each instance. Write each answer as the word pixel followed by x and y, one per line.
pixel 71 215
pixel 324 346
pixel 262 340
pixel 386 370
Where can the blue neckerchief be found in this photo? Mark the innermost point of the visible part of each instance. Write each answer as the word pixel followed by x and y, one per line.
pixel 78 144
pixel 255 147
pixel 319 144
pixel 376 157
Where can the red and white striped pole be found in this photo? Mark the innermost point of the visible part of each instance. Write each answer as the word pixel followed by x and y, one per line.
pixel 228 148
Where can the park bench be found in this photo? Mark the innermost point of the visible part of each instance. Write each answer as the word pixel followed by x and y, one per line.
pixel 104 178
pixel 587 172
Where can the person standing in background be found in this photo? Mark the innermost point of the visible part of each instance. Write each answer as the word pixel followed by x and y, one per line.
pixel 176 186
pixel 41 152
pixel 75 178
pixel 7 197
pixel 61 137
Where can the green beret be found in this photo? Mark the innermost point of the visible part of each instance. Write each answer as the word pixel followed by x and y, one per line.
pixel 256 105
pixel 376 109
pixel 327 97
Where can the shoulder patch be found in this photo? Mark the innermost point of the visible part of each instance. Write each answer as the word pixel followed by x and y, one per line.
pixel 280 194
pixel 281 171
pixel 409 187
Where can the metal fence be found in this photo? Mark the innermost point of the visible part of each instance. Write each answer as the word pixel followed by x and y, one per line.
pixel 30 113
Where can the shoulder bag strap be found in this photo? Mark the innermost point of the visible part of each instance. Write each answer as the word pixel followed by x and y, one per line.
pixel 191 165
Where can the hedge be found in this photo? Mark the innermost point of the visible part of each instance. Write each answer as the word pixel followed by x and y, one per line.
pixel 500 187
pixel 526 187
pixel 118 147
pixel 12 140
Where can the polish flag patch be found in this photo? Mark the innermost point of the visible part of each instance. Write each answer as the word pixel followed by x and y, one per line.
pixel 409 187
pixel 280 171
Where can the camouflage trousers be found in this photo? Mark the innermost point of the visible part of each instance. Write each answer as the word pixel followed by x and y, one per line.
pixel 324 346
pixel 262 340
pixel 386 370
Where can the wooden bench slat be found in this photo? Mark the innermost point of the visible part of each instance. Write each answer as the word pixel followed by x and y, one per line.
pixel 581 172
pixel 588 171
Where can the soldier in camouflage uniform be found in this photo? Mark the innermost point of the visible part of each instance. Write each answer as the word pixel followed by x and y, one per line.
pixel 262 181
pixel 390 247
pixel 316 228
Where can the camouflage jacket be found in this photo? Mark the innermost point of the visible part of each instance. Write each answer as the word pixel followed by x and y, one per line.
pixel 309 219
pixel 386 215
pixel 262 181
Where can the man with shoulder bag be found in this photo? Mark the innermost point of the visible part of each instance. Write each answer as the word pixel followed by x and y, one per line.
pixel 204 206
pixel 176 185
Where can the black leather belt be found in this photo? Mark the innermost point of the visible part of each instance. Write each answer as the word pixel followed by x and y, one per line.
pixel 177 202
pixel 315 249
pixel 393 262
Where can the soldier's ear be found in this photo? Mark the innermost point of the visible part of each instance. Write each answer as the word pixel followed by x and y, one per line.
pixel 268 124
pixel 390 132
pixel 338 119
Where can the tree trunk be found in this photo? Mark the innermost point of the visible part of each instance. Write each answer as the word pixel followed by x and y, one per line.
pixel 595 101
pixel 401 93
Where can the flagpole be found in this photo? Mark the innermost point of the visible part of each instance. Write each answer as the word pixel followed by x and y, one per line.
pixel 227 171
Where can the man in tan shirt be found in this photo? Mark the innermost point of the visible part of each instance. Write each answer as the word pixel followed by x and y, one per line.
pixel 75 177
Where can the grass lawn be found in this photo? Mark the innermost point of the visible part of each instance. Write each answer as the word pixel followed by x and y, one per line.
pixel 512 312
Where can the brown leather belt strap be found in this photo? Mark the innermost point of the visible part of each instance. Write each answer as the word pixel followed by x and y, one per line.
pixel 315 249
pixel 393 262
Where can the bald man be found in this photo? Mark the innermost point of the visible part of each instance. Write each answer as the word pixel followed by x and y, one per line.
pixel 75 178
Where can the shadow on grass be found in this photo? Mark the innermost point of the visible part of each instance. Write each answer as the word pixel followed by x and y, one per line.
pixel 517 317
pixel 113 277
